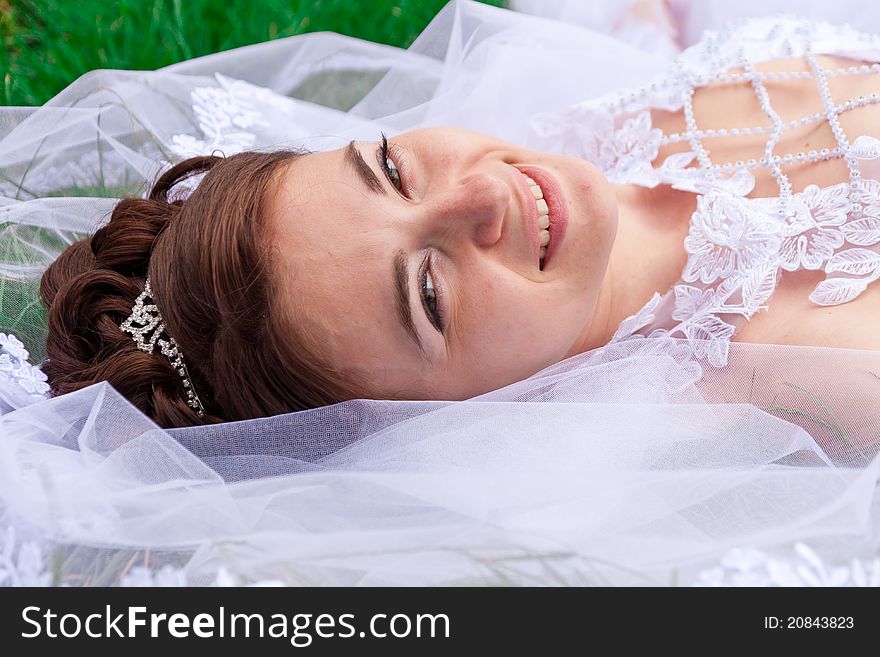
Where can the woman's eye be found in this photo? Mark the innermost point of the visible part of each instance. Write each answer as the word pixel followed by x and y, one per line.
pixel 389 167
pixel 430 295
pixel 432 301
pixel 393 174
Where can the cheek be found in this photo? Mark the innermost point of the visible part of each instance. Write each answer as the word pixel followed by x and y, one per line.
pixel 604 205
pixel 592 228
pixel 445 160
pixel 509 317
pixel 512 342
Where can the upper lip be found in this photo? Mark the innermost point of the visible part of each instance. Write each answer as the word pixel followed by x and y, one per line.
pixel 529 213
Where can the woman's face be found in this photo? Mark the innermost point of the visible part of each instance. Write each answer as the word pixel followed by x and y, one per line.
pixel 361 250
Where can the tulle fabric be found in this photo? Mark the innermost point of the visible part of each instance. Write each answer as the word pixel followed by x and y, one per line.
pixel 630 464
pixel 632 467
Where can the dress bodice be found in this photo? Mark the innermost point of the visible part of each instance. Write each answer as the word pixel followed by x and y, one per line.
pixel 738 248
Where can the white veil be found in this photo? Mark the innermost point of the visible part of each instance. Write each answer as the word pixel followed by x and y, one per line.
pixel 631 464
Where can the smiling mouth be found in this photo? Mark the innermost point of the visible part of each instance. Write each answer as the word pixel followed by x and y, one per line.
pixel 543 219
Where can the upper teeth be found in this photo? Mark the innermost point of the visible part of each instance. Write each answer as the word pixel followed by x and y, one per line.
pixel 543 216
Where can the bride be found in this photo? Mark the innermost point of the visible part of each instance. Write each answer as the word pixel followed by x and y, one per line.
pixel 527 295
pixel 430 265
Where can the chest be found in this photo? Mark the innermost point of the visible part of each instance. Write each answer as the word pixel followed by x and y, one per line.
pixel 791 317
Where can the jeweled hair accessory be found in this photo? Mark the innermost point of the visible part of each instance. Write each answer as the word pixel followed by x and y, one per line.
pixel 145 318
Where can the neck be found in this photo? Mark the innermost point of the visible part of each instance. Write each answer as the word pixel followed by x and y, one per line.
pixel 648 255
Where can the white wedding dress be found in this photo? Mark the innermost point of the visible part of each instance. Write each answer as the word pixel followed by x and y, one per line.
pixel 738 247
pixel 673 455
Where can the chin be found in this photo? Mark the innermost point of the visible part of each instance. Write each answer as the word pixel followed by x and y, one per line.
pixel 593 211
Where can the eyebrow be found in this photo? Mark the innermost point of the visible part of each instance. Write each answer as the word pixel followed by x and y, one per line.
pixel 364 171
pixel 400 273
pixel 400 266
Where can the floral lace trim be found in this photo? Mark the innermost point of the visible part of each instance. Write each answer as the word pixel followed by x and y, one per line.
pixel 623 149
pixel 742 245
pixel 30 380
pixel 227 115
pixel 751 567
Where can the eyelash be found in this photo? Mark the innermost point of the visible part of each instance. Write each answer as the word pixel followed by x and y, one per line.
pixel 437 295
pixel 435 291
pixel 388 171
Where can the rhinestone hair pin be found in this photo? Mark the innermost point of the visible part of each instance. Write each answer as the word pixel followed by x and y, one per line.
pixel 145 318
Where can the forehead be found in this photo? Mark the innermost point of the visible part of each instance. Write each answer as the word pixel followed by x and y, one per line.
pixel 323 222
pixel 333 259
pixel 314 178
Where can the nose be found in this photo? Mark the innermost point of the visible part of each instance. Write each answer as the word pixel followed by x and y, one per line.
pixel 474 207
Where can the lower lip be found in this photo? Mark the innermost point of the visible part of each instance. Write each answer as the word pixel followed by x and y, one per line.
pixel 556 206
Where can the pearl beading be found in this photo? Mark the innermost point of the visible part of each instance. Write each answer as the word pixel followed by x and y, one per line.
pixel 693 135
pixel 676 137
pixel 723 78
pixel 764 101
pixel 832 115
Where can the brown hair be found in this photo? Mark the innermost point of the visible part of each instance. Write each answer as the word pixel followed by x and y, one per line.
pixel 210 259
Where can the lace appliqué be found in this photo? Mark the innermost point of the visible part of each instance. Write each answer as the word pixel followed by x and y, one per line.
pixel 741 245
pixel 733 240
pixel 623 150
pixel 227 115
pixel 23 563
pixel 624 147
pixel 29 381
pixel 727 235
pixel 752 567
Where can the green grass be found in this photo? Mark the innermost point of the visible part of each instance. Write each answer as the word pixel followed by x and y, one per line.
pixel 47 44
